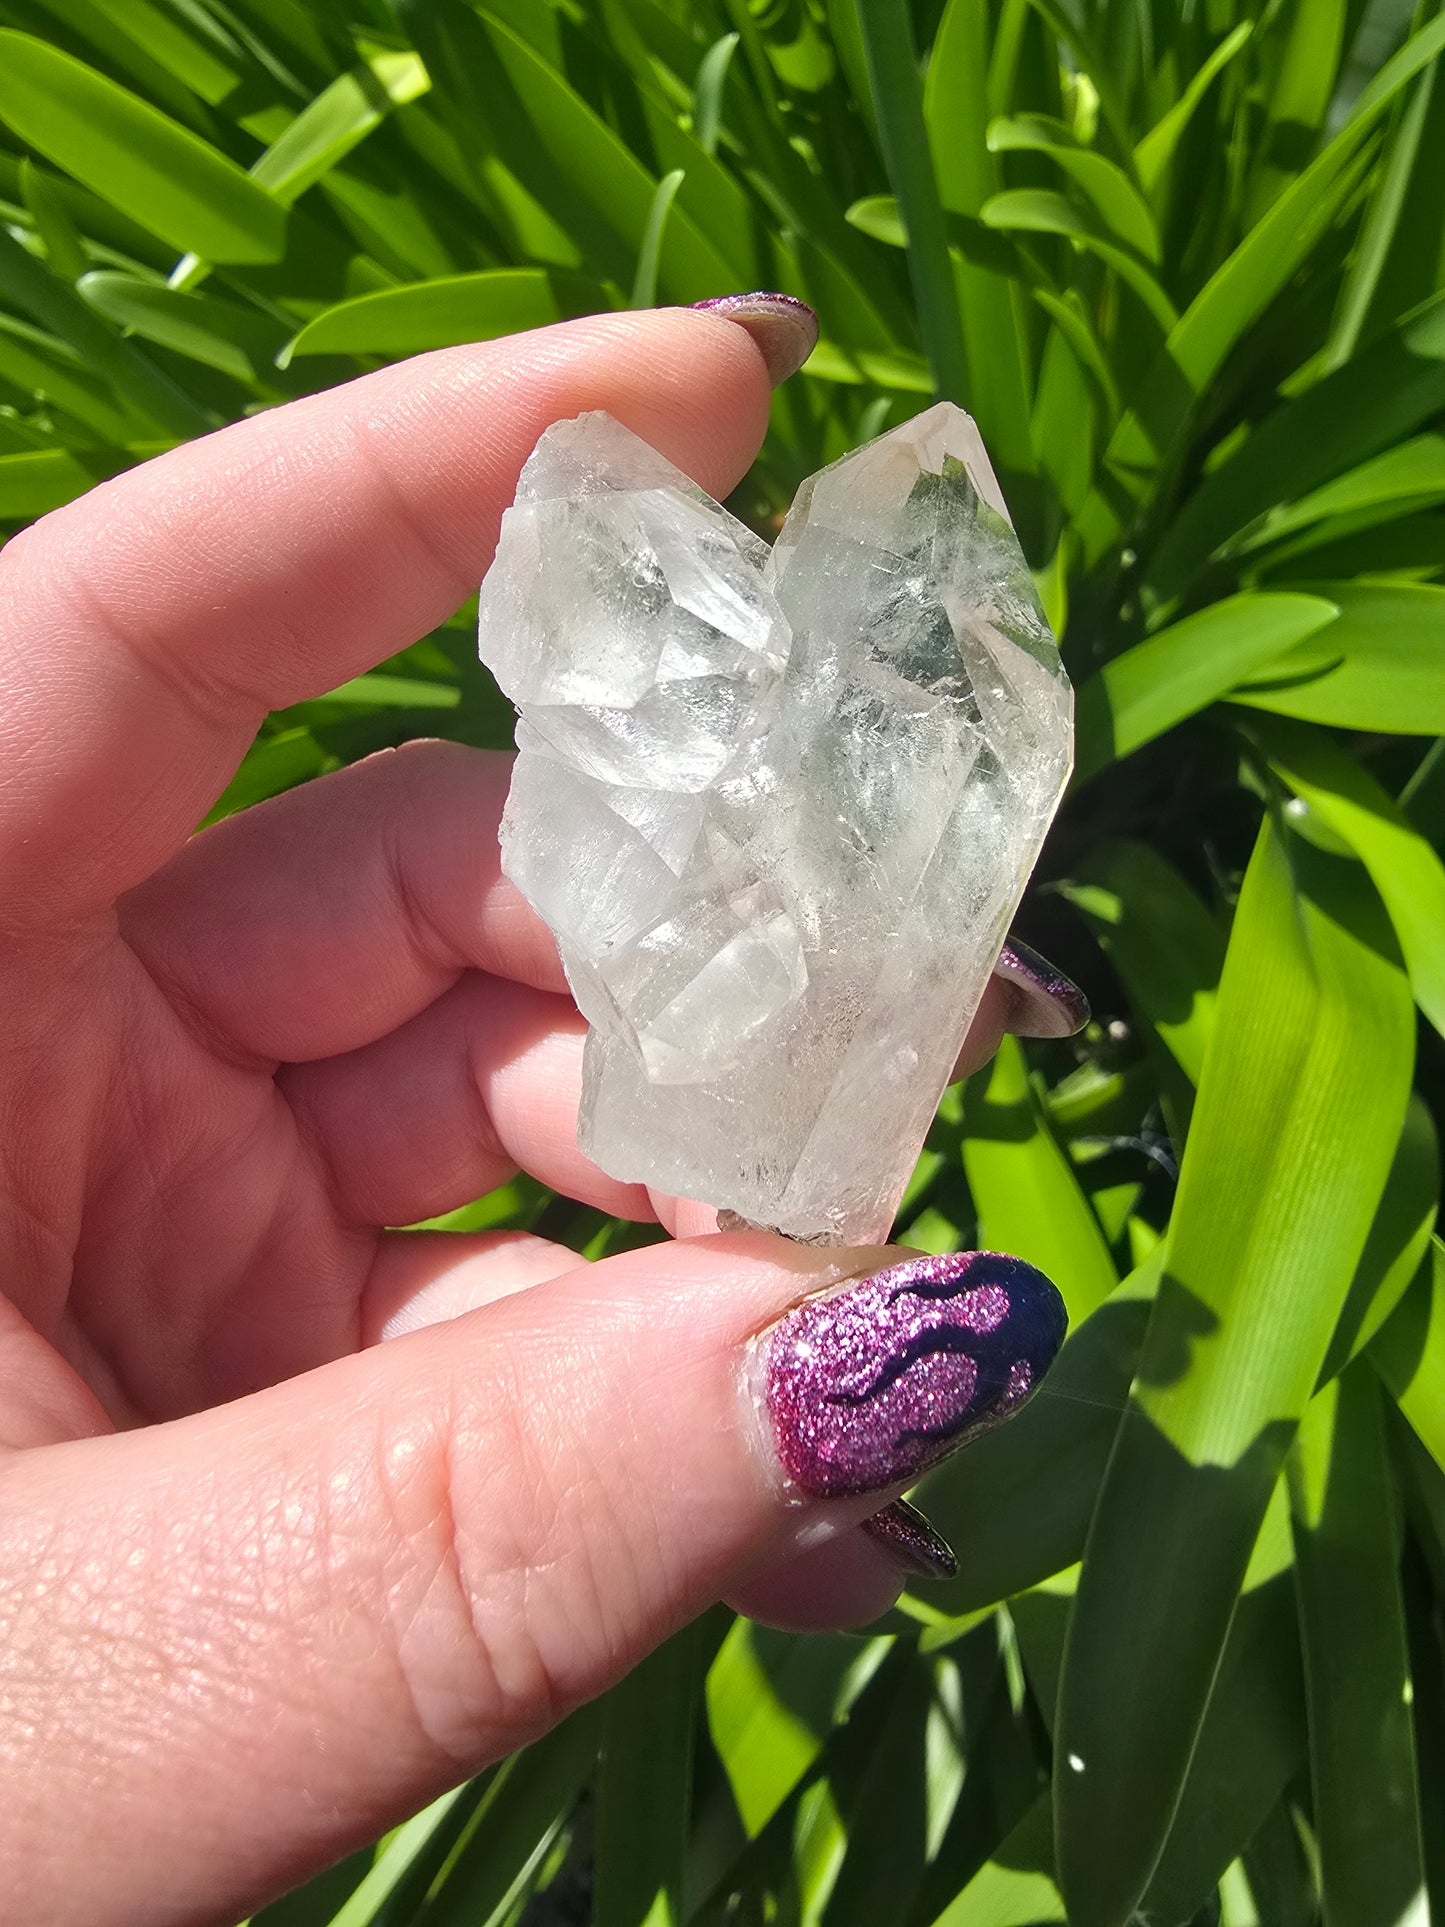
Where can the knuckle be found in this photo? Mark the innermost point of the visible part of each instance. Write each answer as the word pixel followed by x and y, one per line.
pixel 512 1617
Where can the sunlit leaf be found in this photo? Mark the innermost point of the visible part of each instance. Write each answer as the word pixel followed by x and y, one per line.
pixel 156 171
pixel 1300 1104
pixel 1366 1801
pixel 1377 667
pixel 446 312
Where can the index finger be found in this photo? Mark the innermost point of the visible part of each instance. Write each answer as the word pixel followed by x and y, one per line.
pixel 151 625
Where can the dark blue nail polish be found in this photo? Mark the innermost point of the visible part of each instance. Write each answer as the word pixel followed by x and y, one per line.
pixel 869 1385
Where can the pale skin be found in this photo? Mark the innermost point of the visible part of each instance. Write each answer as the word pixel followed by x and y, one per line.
pixel 266 1584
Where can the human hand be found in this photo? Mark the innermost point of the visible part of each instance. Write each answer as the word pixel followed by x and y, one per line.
pixel 267 1585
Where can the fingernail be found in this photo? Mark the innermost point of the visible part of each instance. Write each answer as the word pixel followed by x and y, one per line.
pixel 784 328
pixel 920 1549
pixel 1042 1001
pixel 869 1384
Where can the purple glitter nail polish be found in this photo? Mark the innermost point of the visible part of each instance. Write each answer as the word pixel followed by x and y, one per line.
pixel 869 1385
pixel 1043 1002
pixel 919 1548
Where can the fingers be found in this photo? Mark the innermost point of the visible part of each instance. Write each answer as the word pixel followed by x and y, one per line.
pixel 249 1640
pixel 423 1278
pixel 322 919
pixel 486 1081
pixel 168 610
pixel 845 1582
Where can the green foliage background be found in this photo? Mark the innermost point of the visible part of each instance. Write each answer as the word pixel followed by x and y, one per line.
pixel 1185 261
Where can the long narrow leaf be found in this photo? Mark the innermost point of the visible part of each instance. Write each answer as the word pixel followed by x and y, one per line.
pixel 1404 869
pixel 1388 390
pixel 1376 667
pixel 446 312
pixel 156 171
pixel 955 107
pixel 1362 1761
pixel 898 105
pixel 1028 1200
pixel 1182 669
pixel 1409 1354
pixel 1300 1105
pixel 644 1786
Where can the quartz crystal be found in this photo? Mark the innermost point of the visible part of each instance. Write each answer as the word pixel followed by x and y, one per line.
pixel 778 807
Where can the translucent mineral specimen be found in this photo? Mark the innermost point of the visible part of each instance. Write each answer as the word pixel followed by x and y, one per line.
pixel 777 807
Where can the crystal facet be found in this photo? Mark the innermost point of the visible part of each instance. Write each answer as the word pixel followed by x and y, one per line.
pixel 777 807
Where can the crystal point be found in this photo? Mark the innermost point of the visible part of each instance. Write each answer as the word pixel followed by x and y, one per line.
pixel 779 806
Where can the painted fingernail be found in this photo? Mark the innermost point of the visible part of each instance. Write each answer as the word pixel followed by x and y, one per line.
pixel 869 1384
pixel 784 328
pixel 920 1549
pixel 1042 1001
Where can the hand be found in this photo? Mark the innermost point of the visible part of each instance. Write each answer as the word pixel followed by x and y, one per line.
pixel 266 1585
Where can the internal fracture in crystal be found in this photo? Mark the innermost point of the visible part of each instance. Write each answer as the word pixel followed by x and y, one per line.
pixel 778 807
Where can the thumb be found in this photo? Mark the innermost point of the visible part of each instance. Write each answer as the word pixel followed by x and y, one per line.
pixel 250 1640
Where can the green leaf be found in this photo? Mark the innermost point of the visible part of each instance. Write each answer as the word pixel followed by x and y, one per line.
pixel 1119 203
pixel 898 108
pixel 397 1859
pixel 1148 438
pixel 1253 1739
pixel 1410 475
pixel 1404 869
pixel 955 111
pixel 1409 1353
pixel 154 170
pixel 772 1699
pixel 1021 1498
pixel 1250 1747
pixel 1037 210
pixel 1378 666
pixel 707 97
pixel 1303 83
pixel 601 170
pixel 1399 1240
pixel 1028 1200
pixel 1386 392
pixel 644 283
pixel 1182 669
pixel 908 374
pixel 446 312
pixel 644 1786
pixel 1300 1106
pixel 1238 293
pixel 901 1800
pixel 388 692
pixel 1166 947
pixel 34 482
pixel 1016 1887
pixel 239 341
pixel 494 1865
pixel 50 370
pixel 134 377
pixel 64 251
pixel 1157 148
pixel 1366 1805
pixel 1365 276
pixel 340 117
pixel 274 763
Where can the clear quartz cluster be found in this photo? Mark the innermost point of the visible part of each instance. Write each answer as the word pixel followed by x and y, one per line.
pixel 778 807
